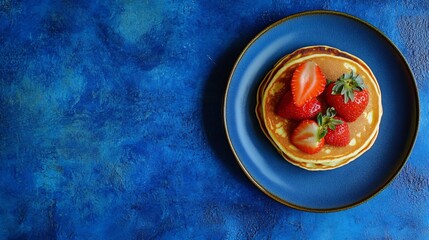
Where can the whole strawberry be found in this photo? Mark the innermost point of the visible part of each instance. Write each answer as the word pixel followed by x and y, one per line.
pixel 348 95
pixel 287 109
pixel 337 130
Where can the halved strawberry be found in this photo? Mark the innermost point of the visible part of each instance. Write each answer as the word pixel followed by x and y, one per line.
pixel 348 95
pixel 308 137
pixel 288 110
pixel 307 82
pixel 338 133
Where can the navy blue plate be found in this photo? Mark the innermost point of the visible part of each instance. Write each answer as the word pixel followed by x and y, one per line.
pixel 346 186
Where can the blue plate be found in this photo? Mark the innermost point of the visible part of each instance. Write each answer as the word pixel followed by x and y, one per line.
pixel 346 186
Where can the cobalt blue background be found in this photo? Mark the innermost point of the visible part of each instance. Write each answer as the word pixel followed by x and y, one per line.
pixel 111 123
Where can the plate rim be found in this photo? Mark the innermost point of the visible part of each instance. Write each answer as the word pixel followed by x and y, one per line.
pixel 413 134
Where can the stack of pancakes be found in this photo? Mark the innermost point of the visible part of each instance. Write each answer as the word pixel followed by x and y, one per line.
pixel 333 63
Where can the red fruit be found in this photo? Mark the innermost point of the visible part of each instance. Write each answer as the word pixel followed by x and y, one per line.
pixel 307 137
pixel 307 83
pixel 339 135
pixel 288 110
pixel 348 95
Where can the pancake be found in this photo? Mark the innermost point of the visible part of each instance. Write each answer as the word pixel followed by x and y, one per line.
pixel 333 63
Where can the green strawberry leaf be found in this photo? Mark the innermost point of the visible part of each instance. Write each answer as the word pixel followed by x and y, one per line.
pixel 347 84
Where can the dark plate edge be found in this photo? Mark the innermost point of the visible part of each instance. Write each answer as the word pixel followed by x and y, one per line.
pixel 413 134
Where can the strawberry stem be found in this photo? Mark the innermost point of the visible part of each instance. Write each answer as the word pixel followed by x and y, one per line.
pixel 347 84
pixel 327 121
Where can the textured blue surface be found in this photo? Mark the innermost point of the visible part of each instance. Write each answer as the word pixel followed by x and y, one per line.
pixel 111 123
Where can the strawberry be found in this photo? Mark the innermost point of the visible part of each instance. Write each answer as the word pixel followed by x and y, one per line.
pixel 288 110
pixel 338 133
pixel 348 95
pixel 308 137
pixel 307 83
